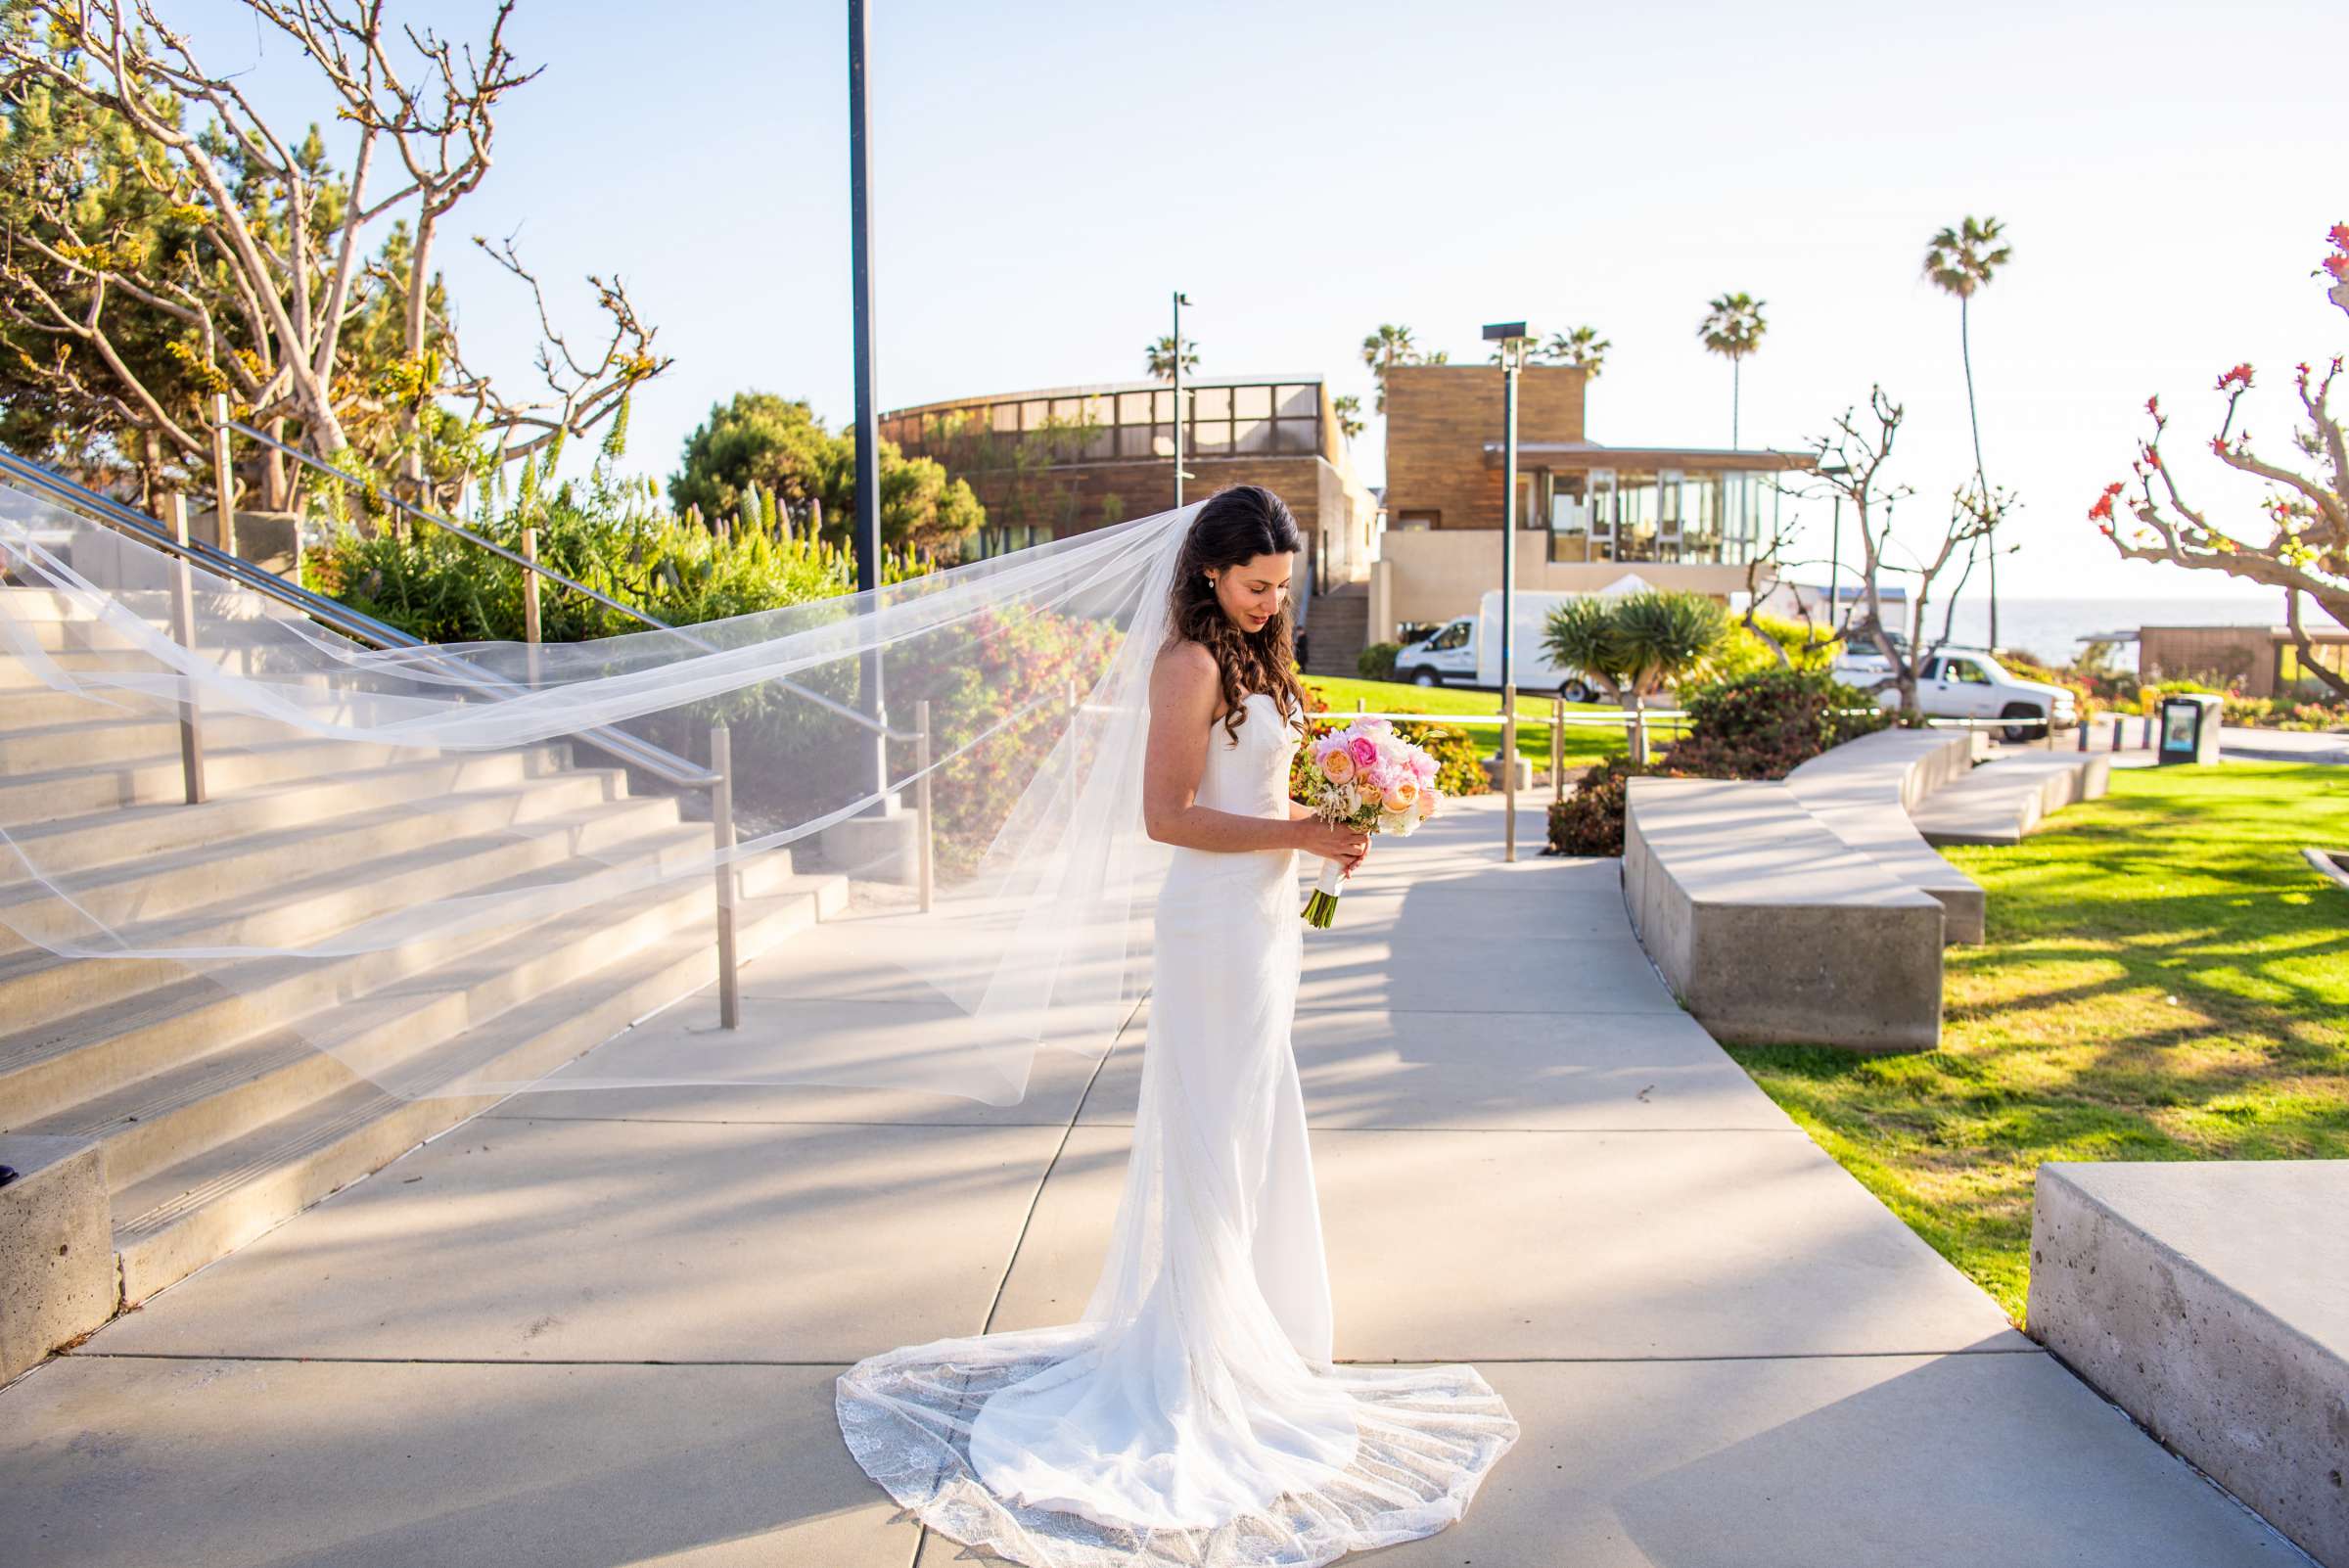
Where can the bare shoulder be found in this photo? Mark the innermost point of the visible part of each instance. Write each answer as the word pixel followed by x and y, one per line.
pixel 1184 669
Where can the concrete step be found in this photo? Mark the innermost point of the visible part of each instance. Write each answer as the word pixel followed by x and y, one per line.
pixel 35 705
pixel 34 604
pixel 168 1116
pixel 1338 627
pixel 85 742
pixel 165 885
pixel 135 833
pixel 46 1067
pixel 2002 801
pixel 179 1219
pixel 65 791
pixel 36 986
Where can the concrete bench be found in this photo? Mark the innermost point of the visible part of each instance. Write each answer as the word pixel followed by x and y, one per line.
pixel 1864 791
pixel 1770 928
pixel 2001 802
pixel 2210 1300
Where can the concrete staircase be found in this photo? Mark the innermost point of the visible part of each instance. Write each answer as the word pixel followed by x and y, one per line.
pixel 1337 628
pixel 217 1111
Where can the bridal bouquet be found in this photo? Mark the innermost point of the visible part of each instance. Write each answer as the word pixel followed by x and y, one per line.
pixel 1367 777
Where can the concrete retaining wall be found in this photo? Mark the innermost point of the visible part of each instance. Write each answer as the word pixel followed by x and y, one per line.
pixel 57 1255
pixel 2210 1300
pixel 1864 789
pixel 1770 928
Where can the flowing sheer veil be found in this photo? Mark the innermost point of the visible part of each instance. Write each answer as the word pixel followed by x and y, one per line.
pixel 940 892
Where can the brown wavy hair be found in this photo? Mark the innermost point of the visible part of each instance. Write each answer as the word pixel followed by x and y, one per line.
pixel 1234 526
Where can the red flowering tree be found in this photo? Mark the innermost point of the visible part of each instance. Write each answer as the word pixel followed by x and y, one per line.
pixel 2300 543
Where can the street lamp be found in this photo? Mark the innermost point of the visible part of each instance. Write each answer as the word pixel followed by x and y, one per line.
pixel 1835 545
pixel 1511 337
pixel 1176 358
pixel 868 530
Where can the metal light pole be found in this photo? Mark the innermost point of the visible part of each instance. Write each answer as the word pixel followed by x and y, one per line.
pixel 1180 299
pixel 866 537
pixel 1835 551
pixel 1510 334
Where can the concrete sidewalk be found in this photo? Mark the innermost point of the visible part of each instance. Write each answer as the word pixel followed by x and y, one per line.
pixel 601 1328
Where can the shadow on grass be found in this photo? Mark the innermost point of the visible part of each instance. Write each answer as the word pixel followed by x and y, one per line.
pixel 2164 978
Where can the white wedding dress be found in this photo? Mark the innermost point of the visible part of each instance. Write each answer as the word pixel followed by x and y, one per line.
pixel 1193 1415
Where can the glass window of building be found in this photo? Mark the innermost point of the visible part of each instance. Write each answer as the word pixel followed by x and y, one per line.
pixel 1300 403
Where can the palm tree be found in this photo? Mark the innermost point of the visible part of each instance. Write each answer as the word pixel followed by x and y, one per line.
pixel 1162 357
pixel 1959 261
pixel 1583 348
pixel 1635 646
pixel 1734 327
pixel 1349 410
pixel 1390 346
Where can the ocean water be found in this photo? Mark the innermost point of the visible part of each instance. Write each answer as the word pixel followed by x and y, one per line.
pixel 2052 629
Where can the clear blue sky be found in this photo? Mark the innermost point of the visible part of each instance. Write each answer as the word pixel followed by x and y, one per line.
pixel 1047 174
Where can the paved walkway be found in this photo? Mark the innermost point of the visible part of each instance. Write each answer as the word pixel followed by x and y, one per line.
pixel 602 1329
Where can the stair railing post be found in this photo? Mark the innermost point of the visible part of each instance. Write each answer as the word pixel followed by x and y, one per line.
pixel 224 483
pixel 721 825
pixel 183 633
pixel 529 599
pixel 921 795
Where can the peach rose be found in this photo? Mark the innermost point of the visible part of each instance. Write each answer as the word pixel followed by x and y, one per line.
pixel 1402 795
pixel 1337 765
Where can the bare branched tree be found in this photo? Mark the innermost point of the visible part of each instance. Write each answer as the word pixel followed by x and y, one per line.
pixel 270 260
pixel 1849 463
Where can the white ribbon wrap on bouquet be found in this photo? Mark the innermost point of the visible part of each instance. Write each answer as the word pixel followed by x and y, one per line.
pixel 1332 878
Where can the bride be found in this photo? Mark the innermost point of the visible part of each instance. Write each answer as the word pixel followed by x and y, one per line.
pixel 1195 1414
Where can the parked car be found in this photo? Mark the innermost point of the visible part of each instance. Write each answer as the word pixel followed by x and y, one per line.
pixel 1969 683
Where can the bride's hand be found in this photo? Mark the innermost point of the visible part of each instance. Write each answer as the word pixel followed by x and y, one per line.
pixel 1344 845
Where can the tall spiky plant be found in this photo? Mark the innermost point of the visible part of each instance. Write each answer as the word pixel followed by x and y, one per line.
pixel 1733 327
pixel 1961 261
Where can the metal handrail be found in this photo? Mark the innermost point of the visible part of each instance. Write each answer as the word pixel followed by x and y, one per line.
pixel 378 492
pixel 329 613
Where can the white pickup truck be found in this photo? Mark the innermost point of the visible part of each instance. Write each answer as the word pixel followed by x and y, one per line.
pixel 1969 683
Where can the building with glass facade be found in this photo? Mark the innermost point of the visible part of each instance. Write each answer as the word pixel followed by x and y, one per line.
pixel 1681 517
pixel 1062 460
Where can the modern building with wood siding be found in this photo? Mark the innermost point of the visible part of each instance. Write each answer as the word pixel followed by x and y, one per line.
pixel 1681 517
pixel 1062 460
pixel 2255 661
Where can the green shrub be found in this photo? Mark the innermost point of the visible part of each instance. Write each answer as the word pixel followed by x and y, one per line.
pixel 435 585
pixel 1744 653
pixel 1762 726
pixel 1589 821
pixel 1378 661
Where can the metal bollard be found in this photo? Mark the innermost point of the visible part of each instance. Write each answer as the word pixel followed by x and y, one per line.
pixel 722 832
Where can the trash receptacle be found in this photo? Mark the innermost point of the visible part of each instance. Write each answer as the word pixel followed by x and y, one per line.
pixel 2189 728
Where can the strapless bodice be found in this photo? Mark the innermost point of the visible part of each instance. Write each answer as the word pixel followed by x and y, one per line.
pixel 1248 774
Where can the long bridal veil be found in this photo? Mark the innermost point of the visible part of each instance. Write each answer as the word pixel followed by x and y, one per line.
pixel 934 791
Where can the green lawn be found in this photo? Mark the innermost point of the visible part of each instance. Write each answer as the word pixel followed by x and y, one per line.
pixel 1584 743
pixel 2165 978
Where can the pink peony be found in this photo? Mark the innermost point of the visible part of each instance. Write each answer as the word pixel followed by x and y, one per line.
pixel 1365 750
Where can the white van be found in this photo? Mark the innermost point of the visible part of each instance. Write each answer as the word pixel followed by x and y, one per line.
pixel 1467 651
